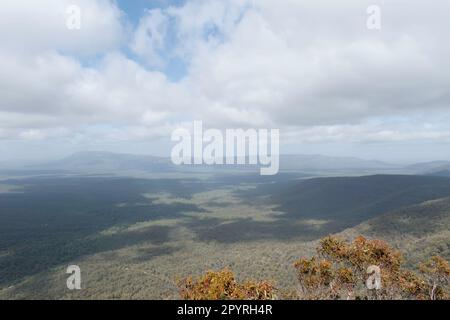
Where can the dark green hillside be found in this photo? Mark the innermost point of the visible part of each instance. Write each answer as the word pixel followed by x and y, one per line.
pixel 354 199
pixel 421 230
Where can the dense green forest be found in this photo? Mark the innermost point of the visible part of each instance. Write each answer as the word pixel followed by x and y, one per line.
pixel 136 237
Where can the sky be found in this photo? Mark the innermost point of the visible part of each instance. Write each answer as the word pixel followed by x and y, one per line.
pixel 136 70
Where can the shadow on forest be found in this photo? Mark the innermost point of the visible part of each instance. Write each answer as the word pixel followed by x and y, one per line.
pixel 247 229
pixel 51 221
pixel 56 220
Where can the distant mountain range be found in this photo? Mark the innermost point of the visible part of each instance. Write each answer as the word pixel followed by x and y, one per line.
pixel 108 162
pixel 320 163
pixel 437 168
pixel 112 162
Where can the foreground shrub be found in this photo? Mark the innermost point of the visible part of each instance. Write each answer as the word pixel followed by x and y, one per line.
pixel 436 272
pixel 222 285
pixel 362 269
pixel 340 271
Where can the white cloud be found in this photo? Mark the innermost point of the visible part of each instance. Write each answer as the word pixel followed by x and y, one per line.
pixel 32 26
pixel 311 68
pixel 311 63
pixel 149 39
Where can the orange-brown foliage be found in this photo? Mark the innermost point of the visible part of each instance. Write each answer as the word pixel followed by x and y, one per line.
pixel 338 271
pixel 222 285
pixel 436 272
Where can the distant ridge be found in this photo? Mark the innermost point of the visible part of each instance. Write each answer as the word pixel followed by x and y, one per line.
pixel 109 161
pixel 430 167
pixel 320 162
pixel 313 164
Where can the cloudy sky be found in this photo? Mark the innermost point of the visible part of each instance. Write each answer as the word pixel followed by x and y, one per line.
pixel 136 70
